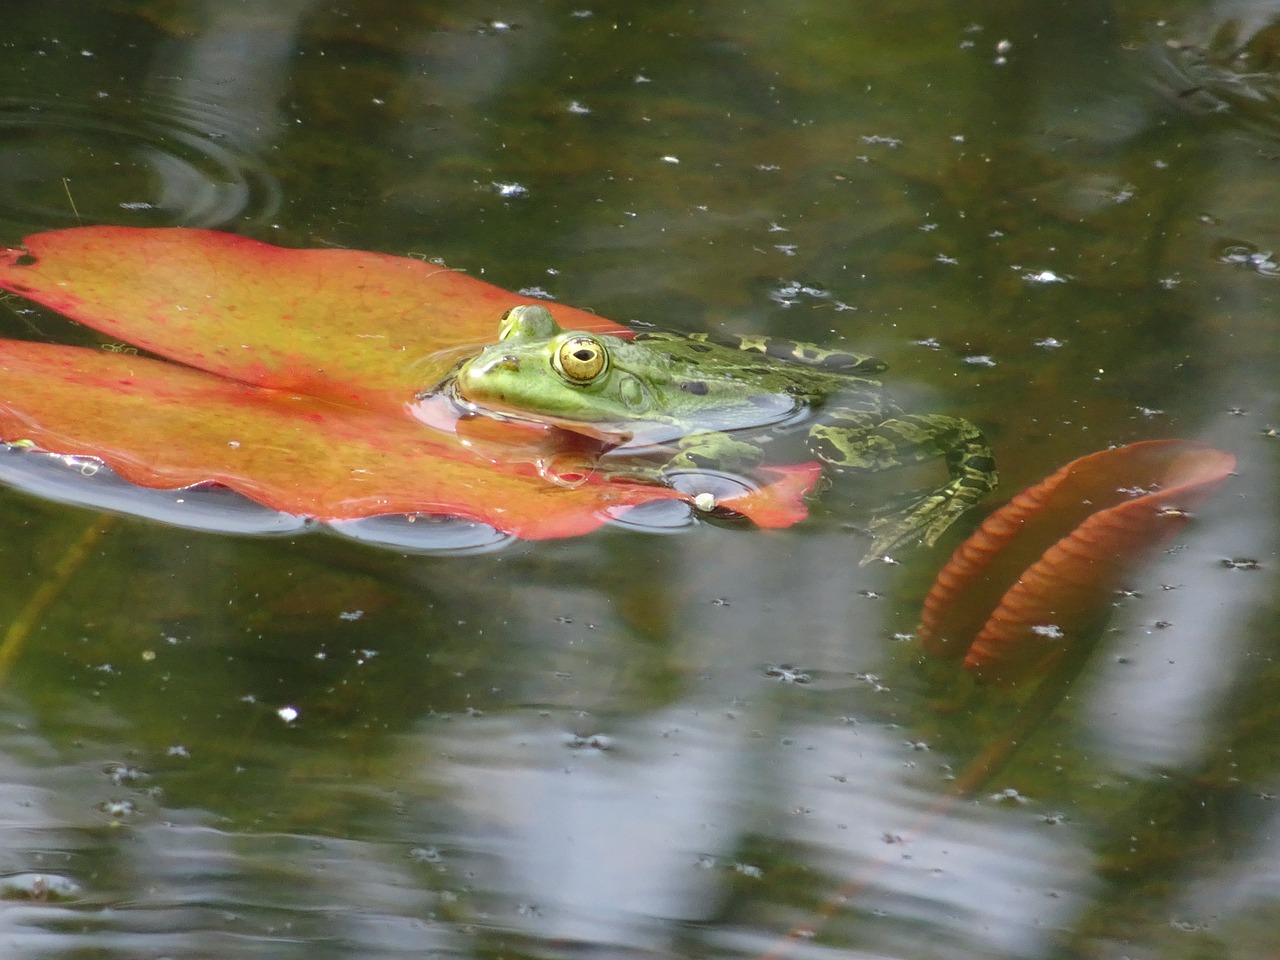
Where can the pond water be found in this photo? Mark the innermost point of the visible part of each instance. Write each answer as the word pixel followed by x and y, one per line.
pixel 1055 219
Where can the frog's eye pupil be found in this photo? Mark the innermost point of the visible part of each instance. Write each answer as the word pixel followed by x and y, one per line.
pixel 581 360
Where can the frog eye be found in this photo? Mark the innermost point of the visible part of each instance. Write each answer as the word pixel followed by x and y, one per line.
pixel 581 359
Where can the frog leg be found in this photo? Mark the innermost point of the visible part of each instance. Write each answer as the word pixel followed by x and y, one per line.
pixel 853 440
pixel 719 451
pixel 694 453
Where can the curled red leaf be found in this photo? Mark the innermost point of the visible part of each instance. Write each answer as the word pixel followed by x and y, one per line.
pixel 1037 574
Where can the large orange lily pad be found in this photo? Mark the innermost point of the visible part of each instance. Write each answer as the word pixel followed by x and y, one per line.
pixel 291 377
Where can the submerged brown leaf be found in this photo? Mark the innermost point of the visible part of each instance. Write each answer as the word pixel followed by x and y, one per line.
pixel 1038 573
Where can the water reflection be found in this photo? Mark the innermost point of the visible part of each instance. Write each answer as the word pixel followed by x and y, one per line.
pixel 577 748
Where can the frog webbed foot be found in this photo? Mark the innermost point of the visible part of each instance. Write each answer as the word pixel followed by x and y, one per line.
pixel 850 444
pixel 922 520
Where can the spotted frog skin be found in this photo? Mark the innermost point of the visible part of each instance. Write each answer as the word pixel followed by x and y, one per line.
pixel 707 400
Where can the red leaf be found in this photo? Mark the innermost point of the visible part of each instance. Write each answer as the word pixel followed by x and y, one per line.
pixel 313 360
pixel 346 325
pixel 1038 572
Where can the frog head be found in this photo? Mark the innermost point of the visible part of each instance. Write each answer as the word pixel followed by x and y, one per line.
pixel 542 370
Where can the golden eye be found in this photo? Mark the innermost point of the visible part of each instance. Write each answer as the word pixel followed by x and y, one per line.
pixel 581 359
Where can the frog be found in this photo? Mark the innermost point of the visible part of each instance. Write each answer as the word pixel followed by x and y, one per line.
pixel 706 401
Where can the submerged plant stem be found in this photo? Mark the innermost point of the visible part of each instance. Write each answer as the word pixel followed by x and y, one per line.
pixel 977 774
pixel 49 590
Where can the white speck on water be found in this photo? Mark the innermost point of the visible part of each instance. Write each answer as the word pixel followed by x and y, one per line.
pixel 510 189
pixel 351 615
pixel 669 159
pixel 579 108
pixel 537 292
pixel 1042 276
pixel 1049 343
pixel 980 360
pixel 288 714
pixel 1050 631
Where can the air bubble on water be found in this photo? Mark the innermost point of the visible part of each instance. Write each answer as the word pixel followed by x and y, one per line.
pixel 669 159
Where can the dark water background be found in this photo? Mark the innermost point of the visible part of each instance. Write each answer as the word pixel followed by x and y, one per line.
pixel 1056 219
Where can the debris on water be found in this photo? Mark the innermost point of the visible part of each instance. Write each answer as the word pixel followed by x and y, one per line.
pixel 1008 795
pixel 596 741
pixel 118 809
pixel 980 360
pixel 1247 255
pixel 786 673
pixel 1042 276
pixel 1049 343
pixel 38 886
pixel 120 773
pixel 579 108
pixel 1241 563
pixel 510 189
pixel 288 714
pixel 425 855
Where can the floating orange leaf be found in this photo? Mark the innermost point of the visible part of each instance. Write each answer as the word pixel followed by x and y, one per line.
pixel 1039 571
pixel 295 383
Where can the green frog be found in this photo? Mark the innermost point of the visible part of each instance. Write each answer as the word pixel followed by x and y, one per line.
pixel 706 403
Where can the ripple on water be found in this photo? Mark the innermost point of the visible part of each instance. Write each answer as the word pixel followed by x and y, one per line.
pixel 163 162
pixel 86 482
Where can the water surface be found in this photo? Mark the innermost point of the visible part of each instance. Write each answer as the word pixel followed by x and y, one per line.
pixel 1057 220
